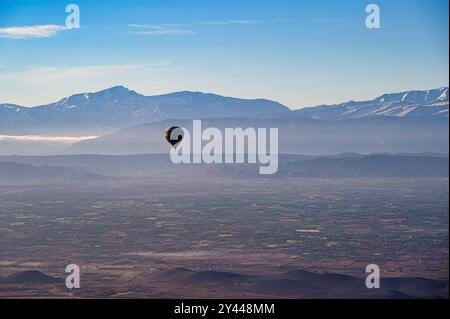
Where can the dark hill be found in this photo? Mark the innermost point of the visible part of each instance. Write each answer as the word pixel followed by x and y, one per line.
pixel 30 277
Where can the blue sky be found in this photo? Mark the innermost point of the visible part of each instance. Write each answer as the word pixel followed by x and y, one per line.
pixel 300 53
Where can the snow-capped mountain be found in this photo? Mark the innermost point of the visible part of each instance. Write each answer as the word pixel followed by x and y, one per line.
pixel 430 103
pixel 12 112
pixel 118 107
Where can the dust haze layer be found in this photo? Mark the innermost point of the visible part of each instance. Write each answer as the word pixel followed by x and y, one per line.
pixel 131 123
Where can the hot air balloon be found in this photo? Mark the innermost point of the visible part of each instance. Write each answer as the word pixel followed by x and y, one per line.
pixel 174 135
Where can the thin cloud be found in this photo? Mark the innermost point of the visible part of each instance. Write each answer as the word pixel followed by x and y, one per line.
pixel 39 75
pixel 33 31
pixel 182 29
pixel 42 138
pixel 228 22
pixel 163 29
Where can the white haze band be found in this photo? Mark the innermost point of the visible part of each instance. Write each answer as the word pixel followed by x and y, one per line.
pixel 228 149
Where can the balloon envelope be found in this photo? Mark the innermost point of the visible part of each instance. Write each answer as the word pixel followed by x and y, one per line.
pixel 174 135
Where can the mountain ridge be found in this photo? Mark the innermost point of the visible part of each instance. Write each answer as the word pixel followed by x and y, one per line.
pixel 117 107
pixel 113 108
pixel 296 135
pixel 423 103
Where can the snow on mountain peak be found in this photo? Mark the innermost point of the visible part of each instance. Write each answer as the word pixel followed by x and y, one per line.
pixel 444 94
pixel 403 104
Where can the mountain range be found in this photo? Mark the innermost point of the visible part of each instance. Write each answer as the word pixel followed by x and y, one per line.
pixel 118 107
pixel 113 168
pixel 10 171
pixel 430 103
pixel 296 135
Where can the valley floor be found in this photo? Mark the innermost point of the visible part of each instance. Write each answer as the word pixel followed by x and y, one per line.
pixel 146 238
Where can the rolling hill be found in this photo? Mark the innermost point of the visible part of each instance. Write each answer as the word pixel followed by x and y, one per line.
pixel 304 284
